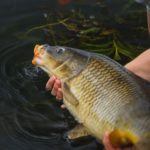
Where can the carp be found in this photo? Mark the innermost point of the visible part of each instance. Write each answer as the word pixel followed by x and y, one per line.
pixel 101 94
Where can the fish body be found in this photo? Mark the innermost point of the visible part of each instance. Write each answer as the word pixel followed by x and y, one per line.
pixel 101 94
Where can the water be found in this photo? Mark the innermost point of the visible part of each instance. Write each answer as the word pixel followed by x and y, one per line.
pixel 30 118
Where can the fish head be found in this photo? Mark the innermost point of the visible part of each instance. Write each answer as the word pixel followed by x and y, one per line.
pixel 63 62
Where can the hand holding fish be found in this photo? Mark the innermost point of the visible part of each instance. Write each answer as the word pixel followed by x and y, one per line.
pixel 92 83
pixel 54 85
pixel 108 145
pixel 139 66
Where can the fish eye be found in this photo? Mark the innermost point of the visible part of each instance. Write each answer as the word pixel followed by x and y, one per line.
pixel 60 50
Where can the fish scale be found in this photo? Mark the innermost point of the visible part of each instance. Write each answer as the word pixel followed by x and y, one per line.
pixel 101 94
pixel 101 109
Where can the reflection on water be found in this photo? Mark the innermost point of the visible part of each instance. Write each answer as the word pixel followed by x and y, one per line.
pixel 30 119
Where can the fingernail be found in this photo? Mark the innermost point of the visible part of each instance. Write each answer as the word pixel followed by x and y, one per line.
pixel 54 77
pixel 53 93
pixel 63 106
pixel 107 134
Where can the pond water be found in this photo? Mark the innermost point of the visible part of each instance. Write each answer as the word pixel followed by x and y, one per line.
pixel 30 118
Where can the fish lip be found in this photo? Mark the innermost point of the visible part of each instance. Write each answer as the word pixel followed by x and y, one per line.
pixel 37 60
pixel 40 49
pixel 38 52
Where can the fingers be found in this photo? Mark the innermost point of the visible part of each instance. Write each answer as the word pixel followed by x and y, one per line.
pixel 50 83
pixel 107 143
pixel 63 106
pixel 59 94
pixel 54 85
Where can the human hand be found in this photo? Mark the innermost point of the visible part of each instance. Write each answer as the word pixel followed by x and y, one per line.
pixel 140 65
pixel 108 145
pixel 54 85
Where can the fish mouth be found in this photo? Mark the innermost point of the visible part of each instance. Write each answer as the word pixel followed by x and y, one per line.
pixel 40 59
pixel 38 53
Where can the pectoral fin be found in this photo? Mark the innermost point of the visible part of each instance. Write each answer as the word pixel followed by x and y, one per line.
pixel 119 138
pixel 78 132
pixel 68 95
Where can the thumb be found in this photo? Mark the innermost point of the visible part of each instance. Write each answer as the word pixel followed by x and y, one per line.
pixel 107 143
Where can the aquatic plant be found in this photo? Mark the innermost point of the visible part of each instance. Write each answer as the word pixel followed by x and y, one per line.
pixel 114 35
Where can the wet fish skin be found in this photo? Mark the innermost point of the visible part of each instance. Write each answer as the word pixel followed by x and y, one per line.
pixel 100 93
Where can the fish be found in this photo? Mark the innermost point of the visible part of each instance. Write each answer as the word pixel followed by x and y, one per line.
pixel 147 3
pixel 101 95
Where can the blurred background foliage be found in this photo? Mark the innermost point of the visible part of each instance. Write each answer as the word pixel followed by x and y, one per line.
pixel 114 28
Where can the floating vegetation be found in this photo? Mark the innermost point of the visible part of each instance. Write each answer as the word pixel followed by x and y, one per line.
pixel 117 36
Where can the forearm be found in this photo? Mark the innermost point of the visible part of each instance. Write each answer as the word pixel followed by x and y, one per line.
pixel 141 65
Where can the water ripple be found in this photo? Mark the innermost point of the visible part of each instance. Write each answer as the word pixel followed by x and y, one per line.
pixel 23 88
